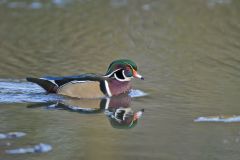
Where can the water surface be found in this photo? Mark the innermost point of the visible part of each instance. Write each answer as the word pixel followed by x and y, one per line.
pixel 188 53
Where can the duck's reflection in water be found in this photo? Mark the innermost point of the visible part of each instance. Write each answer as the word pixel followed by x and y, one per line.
pixel 117 109
pixel 120 114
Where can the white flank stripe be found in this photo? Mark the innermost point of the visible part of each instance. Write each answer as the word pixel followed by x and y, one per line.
pixel 108 89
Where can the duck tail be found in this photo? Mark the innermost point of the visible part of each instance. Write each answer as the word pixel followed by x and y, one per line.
pixel 49 86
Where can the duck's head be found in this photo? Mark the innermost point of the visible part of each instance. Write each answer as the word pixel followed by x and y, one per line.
pixel 125 118
pixel 123 70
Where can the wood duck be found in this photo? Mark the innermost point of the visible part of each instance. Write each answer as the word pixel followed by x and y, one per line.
pixel 115 82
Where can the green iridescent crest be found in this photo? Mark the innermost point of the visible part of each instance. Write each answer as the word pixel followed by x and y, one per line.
pixel 122 64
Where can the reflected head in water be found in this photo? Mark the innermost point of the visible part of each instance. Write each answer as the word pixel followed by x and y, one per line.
pixel 117 109
pixel 116 81
pixel 124 118
pixel 120 114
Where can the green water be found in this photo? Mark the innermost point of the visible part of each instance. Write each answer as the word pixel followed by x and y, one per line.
pixel 188 52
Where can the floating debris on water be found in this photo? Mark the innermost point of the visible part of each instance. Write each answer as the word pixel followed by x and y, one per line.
pixel 11 135
pixel 40 148
pixel 222 118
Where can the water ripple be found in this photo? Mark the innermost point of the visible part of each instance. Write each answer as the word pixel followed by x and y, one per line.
pixel 36 5
pixel 11 135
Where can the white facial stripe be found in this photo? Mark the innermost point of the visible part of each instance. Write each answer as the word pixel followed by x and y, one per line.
pixel 112 73
pixel 122 80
